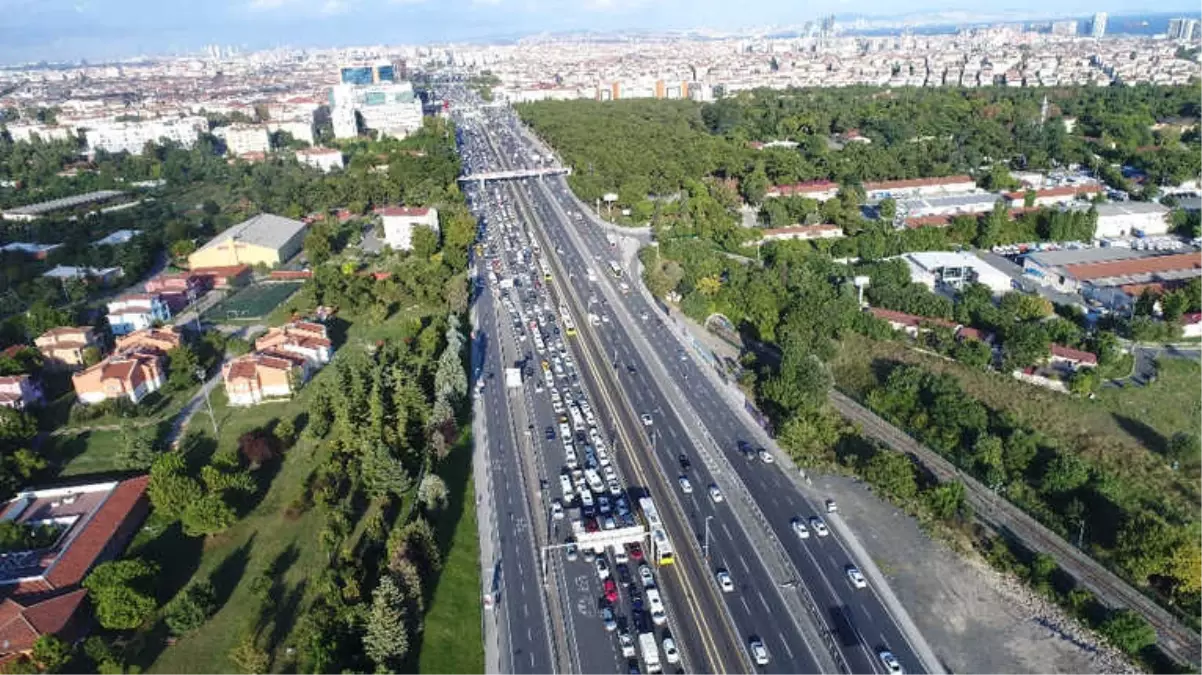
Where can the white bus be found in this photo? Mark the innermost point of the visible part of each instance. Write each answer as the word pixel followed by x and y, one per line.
pixel 615 268
pixel 661 547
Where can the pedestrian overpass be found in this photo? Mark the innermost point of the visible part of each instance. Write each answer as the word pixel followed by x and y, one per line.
pixel 515 174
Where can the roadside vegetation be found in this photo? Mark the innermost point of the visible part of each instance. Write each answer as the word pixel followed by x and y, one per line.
pixel 1122 484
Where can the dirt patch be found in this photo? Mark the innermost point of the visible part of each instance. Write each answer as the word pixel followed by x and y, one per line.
pixel 976 620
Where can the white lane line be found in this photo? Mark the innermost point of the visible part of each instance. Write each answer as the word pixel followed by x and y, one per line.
pixel 727 531
pixel 785 643
pixel 743 562
pixel 746 607
pixel 763 601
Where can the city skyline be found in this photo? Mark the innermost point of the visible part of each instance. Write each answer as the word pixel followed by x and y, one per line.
pixel 71 30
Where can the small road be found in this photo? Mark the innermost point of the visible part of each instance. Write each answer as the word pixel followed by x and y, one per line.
pixel 1175 639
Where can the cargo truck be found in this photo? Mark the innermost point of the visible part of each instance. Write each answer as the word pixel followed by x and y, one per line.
pixel 650 652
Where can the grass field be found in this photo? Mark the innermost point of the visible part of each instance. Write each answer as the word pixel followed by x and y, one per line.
pixel 252 302
pixel 1123 430
pixel 452 641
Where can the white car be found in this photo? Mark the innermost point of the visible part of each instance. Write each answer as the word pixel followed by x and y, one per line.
pixel 627 644
pixel 800 528
pixel 556 510
pixel 819 526
pixel 646 577
pixel 891 663
pixel 670 651
pixel 766 457
pixel 602 568
pixel 716 494
pixel 857 579
pixel 685 486
pixel 646 419
pixel 759 652
pixel 725 582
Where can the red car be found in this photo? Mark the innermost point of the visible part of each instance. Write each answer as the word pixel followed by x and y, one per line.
pixel 635 551
pixel 611 590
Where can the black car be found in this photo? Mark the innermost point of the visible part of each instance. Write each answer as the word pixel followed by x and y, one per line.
pixel 631 369
pixel 684 462
pixel 550 433
pixel 624 574
pixel 633 665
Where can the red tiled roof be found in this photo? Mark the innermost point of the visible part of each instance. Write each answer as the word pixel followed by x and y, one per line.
pixel 1071 354
pixel 21 625
pixel 805 188
pixel 74 564
pixel 801 229
pixel 917 182
pixel 974 334
pixel 1120 268
pixel 894 316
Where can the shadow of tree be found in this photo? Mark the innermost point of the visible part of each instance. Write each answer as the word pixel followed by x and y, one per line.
pixel 1140 431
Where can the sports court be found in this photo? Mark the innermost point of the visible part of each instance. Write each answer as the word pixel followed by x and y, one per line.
pixel 252 302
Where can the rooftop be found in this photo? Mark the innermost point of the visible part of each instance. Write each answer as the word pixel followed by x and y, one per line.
pixel 1130 209
pixel 266 230
pixel 64 203
pixel 1086 255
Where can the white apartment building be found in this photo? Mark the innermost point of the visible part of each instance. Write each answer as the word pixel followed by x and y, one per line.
pixel 1125 219
pixel 243 138
pixel 390 108
pixel 300 129
pixel 136 311
pixel 27 132
pixel 399 222
pixel 132 137
pixel 326 159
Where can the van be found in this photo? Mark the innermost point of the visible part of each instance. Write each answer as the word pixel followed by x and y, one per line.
pixel 565 485
pixel 658 616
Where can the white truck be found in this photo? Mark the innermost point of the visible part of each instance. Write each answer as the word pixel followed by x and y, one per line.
pixel 650 652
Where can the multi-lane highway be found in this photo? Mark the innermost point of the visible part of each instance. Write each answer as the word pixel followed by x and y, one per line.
pixel 681 438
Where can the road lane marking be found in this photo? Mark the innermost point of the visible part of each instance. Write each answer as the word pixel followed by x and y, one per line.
pixel 763 602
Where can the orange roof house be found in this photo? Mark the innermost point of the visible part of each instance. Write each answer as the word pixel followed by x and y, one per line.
pixel 254 378
pixel 163 339
pixel 63 346
pixel 130 374
pixel 305 338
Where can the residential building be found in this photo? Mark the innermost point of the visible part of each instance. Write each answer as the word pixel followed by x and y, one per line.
pixel 298 129
pixel 387 106
pixel 179 289
pixel 132 137
pixel 307 339
pixel 35 211
pixel 104 276
pixel 920 187
pixel 1129 219
pixel 325 159
pixel 241 139
pixel 41 588
pixel 130 374
pixel 135 311
pixel 31 250
pixel 224 277
pixel 911 324
pixel 1099 25
pixel 399 222
pixel 1184 29
pixel 260 376
pixel 939 269
pixel 1073 358
pixel 117 238
pixel 19 391
pixel 1054 196
pixel 265 239
pixel 63 347
pixel 161 339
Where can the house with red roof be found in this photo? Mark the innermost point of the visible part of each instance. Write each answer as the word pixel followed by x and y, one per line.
pixel 40 588
pixel 911 324
pixel 399 222
pixel 19 391
pixel 1073 358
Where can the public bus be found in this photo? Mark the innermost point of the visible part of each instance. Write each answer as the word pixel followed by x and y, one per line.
pixel 615 268
pixel 569 326
pixel 546 268
pixel 661 547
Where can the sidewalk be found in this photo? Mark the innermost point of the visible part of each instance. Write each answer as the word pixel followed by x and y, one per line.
pixel 486 526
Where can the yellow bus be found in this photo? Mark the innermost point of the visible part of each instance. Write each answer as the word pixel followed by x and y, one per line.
pixel 661 546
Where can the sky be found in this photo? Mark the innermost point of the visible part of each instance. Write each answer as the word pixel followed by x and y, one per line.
pixel 67 30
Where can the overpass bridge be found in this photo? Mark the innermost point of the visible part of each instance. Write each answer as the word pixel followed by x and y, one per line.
pixel 516 173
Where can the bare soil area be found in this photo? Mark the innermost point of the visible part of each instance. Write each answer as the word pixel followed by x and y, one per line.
pixel 976 620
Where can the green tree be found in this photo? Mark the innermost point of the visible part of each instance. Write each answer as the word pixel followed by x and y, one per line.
pixel 432 492
pixel 116 593
pixel 207 515
pixel 249 657
pixel 1184 449
pixel 423 242
pixel 188 610
pixel 171 490
pixel 383 474
pixel 946 501
pixel 51 653
pixel 318 245
pixel 137 450
pixel 887 208
pixel 809 438
pixel 802 382
pixel 973 353
pixel 1064 473
pixel 182 366
pixel 385 640
pixel 892 473
pixel 1128 631
pixel 1084 382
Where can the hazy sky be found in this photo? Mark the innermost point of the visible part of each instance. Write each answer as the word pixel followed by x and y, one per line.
pixel 98 29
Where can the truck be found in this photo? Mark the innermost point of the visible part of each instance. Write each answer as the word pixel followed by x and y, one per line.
pixel 650 652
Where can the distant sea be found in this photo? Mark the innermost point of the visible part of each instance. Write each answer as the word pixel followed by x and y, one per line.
pixel 1121 24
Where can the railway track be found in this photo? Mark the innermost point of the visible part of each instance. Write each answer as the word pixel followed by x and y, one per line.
pixel 1174 639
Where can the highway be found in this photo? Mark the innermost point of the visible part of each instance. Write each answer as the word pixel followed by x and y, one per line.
pixel 756 604
pixel 856 617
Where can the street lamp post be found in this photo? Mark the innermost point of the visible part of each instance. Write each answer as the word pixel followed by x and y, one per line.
pixel 200 375
pixel 707 537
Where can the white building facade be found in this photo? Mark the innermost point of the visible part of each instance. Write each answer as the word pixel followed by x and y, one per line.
pixel 399 222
